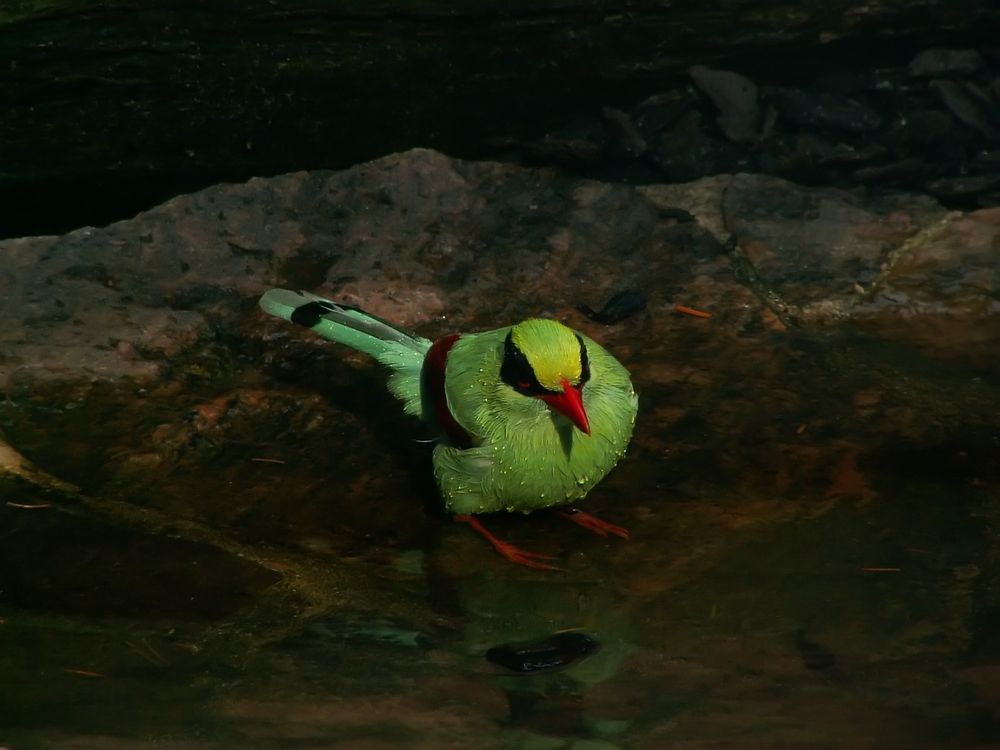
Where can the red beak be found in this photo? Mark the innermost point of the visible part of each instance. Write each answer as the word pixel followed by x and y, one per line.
pixel 569 403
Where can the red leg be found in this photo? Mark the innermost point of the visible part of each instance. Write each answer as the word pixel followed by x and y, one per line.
pixel 595 524
pixel 509 551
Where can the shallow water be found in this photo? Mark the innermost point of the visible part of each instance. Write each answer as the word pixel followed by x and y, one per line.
pixel 255 559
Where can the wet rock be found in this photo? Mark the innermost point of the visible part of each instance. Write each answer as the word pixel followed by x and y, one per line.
pixel 968 106
pixel 147 305
pixel 879 84
pixel 824 151
pixel 897 172
pixel 960 187
pixel 594 745
pixel 812 246
pixel 948 281
pixel 659 111
pixel 988 199
pixel 936 62
pixel 277 462
pixel 686 152
pixel 127 573
pixel 576 153
pixel 371 632
pixel 173 392
pixel 808 109
pixel 936 135
pixel 985 161
pixel 18 472
pixel 813 655
pixel 579 143
pixel 735 96
pixel 879 126
pixel 624 132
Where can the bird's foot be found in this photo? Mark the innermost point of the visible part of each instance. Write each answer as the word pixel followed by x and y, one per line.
pixel 595 524
pixel 524 557
pixel 509 551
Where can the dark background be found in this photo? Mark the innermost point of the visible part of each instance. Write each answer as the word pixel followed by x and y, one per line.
pixel 107 108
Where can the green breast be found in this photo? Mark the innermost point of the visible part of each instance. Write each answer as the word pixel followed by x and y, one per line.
pixel 528 457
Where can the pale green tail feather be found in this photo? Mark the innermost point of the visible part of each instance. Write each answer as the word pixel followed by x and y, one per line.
pixel 402 352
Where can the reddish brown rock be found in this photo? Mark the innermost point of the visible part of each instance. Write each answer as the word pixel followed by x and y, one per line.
pixel 942 292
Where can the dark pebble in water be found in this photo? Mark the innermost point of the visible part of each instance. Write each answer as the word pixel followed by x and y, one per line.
pixel 548 653
pixel 622 305
pixel 814 656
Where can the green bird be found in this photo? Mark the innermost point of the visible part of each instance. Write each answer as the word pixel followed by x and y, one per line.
pixel 528 416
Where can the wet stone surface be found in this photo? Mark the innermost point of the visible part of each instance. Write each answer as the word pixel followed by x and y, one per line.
pixel 932 126
pixel 217 531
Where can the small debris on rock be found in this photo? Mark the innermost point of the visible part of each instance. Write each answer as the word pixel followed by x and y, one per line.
pixel 622 305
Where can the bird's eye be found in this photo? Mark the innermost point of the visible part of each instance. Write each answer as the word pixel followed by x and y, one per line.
pixel 516 371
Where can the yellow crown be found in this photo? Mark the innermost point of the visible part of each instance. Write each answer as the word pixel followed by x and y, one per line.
pixel 552 349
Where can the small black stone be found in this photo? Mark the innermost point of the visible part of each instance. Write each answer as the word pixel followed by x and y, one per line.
pixel 310 313
pixel 813 655
pixel 621 306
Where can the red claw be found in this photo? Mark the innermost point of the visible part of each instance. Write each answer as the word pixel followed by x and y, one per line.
pixel 595 524
pixel 509 551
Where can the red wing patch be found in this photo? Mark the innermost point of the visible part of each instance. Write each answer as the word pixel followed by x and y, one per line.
pixel 434 373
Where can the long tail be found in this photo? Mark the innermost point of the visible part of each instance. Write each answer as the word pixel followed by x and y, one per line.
pixel 401 351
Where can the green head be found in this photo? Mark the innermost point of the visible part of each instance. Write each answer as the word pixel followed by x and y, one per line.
pixel 545 360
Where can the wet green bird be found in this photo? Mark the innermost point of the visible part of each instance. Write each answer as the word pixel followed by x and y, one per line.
pixel 530 416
